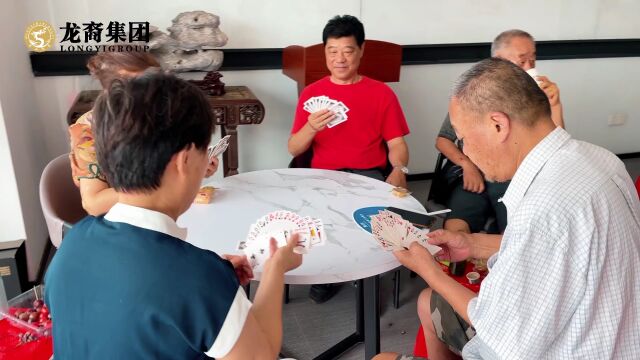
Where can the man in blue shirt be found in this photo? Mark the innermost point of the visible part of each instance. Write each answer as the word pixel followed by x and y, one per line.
pixel 126 285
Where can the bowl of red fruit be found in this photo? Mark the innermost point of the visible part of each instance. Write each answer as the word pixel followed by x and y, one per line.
pixel 29 311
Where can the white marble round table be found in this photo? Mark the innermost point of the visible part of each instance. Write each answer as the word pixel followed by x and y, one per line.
pixel 349 254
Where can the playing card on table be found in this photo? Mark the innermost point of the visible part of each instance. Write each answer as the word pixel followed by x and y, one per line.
pixel 220 147
pixel 281 225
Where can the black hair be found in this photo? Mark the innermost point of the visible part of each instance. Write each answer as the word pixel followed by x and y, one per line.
pixel 344 26
pixel 141 122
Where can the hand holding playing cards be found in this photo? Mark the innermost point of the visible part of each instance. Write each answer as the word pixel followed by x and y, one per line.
pixel 212 167
pixel 284 257
pixel 241 266
pixel 325 111
pixel 417 259
pixel 456 245
pixel 319 119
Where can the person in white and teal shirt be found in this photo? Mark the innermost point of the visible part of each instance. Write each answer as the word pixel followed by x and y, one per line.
pixel 126 285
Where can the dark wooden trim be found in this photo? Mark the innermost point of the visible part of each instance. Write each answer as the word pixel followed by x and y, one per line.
pixel 626 156
pixel 546 50
pixel 57 63
pixel 252 59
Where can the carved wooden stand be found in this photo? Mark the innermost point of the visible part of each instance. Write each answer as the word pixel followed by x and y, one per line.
pixel 238 106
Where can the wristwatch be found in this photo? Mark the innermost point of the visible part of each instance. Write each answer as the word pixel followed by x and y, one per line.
pixel 404 169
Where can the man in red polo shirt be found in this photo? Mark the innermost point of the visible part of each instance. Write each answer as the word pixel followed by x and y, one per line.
pixel 375 126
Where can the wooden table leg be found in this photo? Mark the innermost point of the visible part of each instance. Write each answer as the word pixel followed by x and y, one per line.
pixel 230 157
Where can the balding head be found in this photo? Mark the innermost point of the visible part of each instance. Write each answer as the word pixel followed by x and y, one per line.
pixel 517 46
pixel 504 39
pixel 499 85
pixel 500 113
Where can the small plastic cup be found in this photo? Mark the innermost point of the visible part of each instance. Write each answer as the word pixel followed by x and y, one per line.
pixel 473 277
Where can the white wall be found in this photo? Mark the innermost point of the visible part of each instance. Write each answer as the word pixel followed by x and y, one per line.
pixel 458 21
pixel 24 133
pixel 591 89
pixel 12 226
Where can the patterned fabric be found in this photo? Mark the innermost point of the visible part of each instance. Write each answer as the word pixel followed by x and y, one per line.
pixel 82 154
pixel 409 357
pixel 565 282
pixel 450 328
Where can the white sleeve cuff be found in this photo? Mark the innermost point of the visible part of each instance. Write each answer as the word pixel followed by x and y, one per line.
pixel 232 326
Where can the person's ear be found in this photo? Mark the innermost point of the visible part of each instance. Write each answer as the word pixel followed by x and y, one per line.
pixel 501 124
pixel 182 159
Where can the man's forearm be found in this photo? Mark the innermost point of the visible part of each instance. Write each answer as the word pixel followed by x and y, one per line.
pixel 399 153
pixel 301 141
pixel 451 151
pixel 267 304
pixel 484 245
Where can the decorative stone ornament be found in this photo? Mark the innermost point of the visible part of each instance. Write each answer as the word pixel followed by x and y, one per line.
pixel 190 44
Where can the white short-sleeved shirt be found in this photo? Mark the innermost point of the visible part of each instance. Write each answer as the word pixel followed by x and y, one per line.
pixel 566 280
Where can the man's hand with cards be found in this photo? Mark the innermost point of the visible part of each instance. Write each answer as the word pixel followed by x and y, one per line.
pixel 338 108
pixel 394 233
pixel 281 225
pixel 220 147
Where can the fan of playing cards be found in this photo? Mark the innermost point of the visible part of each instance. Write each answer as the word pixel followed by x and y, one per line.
pixel 280 225
pixel 395 233
pixel 218 148
pixel 318 103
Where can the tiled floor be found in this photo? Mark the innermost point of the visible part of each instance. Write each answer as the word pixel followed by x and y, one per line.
pixel 310 329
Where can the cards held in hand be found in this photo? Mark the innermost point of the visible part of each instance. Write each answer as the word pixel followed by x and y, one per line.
pixel 393 232
pixel 318 103
pixel 281 225
pixel 217 149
